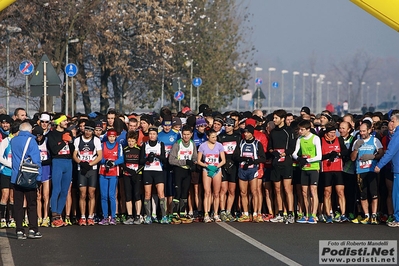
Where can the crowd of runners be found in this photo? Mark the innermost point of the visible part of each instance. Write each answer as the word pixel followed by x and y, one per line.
pixel 174 168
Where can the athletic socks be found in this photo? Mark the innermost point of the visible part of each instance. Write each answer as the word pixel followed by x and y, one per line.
pixel 147 207
pixel 162 203
pixel 3 211
pixel 183 205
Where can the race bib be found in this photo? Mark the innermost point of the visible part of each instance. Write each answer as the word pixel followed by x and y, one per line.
pixel 229 147
pixel 43 155
pixel 212 159
pixel 185 155
pixel 281 151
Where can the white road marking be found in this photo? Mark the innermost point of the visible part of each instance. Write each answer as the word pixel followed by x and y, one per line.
pixel 5 249
pixel 259 245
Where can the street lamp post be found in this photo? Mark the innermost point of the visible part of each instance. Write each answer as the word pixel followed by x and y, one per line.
pixel 328 91
pixel 377 92
pixel 9 29
pixel 257 69
pixel 339 83
pixel 282 86
pixel 319 92
pixel 303 87
pixel 311 96
pixel 271 69
pixel 295 73
pixel 361 94
pixel 189 63
pixel 349 92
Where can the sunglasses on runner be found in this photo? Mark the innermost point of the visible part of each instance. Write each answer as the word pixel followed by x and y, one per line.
pixel 46 122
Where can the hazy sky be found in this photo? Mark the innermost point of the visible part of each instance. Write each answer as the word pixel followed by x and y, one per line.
pixel 292 29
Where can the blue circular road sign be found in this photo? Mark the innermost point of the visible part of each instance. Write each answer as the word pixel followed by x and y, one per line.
pixel 26 67
pixel 71 70
pixel 258 81
pixel 197 82
pixel 179 95
pixel 275 85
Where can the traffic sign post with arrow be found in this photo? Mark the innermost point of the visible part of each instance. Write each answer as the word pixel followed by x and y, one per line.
pixel 197 82
pixel 26 68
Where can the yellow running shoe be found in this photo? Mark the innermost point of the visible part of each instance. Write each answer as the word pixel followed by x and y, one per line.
pixel 45 222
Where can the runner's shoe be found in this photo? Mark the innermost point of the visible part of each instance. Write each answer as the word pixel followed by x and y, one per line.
pixel 34 235
pixel 351 216
pixel 393 224
pixel 57 223
pixel 138 220
pixel 188 219
pixel 216 218
pixel 277 219
pixel 25 223
pixel 383 218
pixel 3 223
pixel 255 218
pixel 290 219
pixel 67 221
pixel 129 221
pixel 337 217
pixel 82 221
pixel 123 218
pixel 322 218
pixel 260 218
pixel 118 218
pixel 90 221
pixel 45 222
pixel 223 217
pixel 366 220
pixel 39 221
pixel 154 219
pixel 112 221
pixel 230 217
pixel 344 219
pixel 207 219
pixel 11 224
pixel 312 220
pixel 21 235
pixel 374 219
pixel 244 218
pixel 390 219
pixel 148 220
pixel 357 219
pixel 329 219
pixel 104 221
pixel 303 220
pixel 176 220
pixel 165 220
pixel 267 217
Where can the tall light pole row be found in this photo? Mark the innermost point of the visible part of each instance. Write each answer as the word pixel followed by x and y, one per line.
pixel 9 30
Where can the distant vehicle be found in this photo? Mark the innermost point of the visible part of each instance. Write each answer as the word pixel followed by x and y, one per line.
pixel 387 105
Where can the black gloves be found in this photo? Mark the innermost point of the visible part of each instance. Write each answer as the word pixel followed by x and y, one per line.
pixel 250 161
pixel 302 161
pixel 84 167
pixel 276 154
pixel 110 163
pixel 191 164
pixel 151 157
pixel 130 171
pixel 332 156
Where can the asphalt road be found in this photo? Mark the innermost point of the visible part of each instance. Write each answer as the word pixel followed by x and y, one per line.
pixel 190 244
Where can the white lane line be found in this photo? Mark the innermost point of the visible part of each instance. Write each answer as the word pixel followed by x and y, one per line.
pixel 5 249
pixel 259 245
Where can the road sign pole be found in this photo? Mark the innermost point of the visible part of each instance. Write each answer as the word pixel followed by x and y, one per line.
pixel 72 98
pixel 66 82
pixel 27 94
pixel 45 85
pixel 178 82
